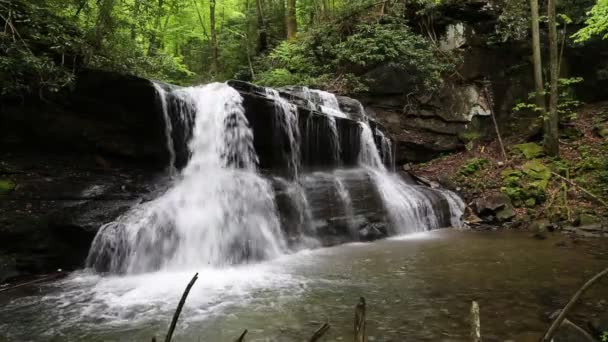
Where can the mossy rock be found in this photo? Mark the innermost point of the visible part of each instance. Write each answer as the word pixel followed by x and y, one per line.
pixel 587 219
pixel 505 214
pixel 473 165
pixel 529 150
pixel 537 170
pixel 6 186
pixel 601 130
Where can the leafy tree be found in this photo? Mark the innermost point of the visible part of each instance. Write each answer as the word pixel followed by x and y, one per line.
pixel 597 24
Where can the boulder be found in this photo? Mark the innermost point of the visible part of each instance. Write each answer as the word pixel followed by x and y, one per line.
pixel 494 207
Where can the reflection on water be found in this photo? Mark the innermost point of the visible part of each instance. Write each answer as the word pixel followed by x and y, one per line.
pixel 418 288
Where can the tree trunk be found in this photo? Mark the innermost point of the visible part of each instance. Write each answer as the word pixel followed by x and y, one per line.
pixel 290 19
pixel 551 123
pixel 216 58
pixel 538 67
pixel 262 32
pixel 105 22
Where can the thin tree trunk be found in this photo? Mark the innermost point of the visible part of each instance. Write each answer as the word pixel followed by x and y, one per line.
pixel 262 32
pixel 291 20
pixel 551 123
pixel 538 67
pixel 214 48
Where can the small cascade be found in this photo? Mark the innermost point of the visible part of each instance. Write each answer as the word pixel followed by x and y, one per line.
pixel 287 122
pixel 368 153
pixel 334 139
pixel 162 97
pixel 386 149
pixel 347 203
pixel 219 213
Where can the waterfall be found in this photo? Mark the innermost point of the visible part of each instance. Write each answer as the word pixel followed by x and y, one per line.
pixel 220 212
pixel 162 97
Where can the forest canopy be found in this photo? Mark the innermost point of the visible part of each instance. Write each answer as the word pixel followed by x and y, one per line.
pixel 321 43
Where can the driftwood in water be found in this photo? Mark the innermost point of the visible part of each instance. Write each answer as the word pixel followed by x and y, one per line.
pixel 242 337
pixel 360 321
pixel 562 315
pixel 475 323
pixel 178 311
pixel 319 333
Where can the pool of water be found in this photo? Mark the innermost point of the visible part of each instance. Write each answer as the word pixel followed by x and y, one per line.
pixel 418 288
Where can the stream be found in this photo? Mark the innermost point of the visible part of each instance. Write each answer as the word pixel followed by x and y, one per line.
pixel 418 288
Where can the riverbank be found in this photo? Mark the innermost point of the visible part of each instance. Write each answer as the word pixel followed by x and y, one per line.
pixel 570 191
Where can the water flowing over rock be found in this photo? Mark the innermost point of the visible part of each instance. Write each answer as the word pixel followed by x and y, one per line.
pixel 259 172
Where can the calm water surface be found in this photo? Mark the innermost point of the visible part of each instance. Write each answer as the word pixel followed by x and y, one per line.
pixel 418 288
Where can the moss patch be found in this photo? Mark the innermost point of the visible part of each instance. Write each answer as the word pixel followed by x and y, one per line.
pixel 6 186
pixel 529 150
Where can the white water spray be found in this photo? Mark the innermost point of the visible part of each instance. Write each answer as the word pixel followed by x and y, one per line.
pixel 220 213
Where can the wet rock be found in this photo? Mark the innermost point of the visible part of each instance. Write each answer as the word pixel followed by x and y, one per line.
pixel 495 207
pixel 373 231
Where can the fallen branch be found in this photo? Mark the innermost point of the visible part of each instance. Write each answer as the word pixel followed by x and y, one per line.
pixel 360 321
pixel 319 333
pixel 595 197
pixel 178 311
pixel 40 280
pixel 475 323
pixel 560 318
pixel 242 337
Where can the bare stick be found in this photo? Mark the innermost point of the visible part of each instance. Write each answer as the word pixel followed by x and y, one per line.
pixel 179 308
pixel 242 337
pixel 360 321
pixel 581 188
pixel 475 323
pixel 560 318
pixel 41 280
pixel 319 333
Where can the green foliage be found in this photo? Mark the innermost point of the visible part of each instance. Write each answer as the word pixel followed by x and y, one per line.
pixel 472 166
pixel 596 25
pixel 529 150
pixel 567 102
pixel 39 49
pixel 604 336
pixel 336 55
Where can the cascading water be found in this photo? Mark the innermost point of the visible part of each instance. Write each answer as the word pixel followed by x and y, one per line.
pixel 334 139
pixel 347 202
pixel 162 97
pixel 219 213
pixel 386 149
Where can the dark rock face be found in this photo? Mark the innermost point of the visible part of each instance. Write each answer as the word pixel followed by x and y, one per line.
pixel 104 115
